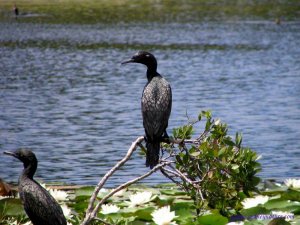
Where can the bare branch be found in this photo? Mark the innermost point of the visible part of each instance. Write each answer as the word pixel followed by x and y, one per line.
pixel 90 209
pixel 181 141
pixel 172 172
pixel 183 176
pixel 102 221
pixel 125 185
pixel 165 173
pixel 93 214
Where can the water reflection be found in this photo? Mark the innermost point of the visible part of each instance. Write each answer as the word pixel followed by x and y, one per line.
pixel 65 95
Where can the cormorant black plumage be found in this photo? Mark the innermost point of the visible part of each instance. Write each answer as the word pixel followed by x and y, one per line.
pixel 39 205
pixel 156 106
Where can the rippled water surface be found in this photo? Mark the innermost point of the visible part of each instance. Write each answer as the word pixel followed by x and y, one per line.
pixel 64 94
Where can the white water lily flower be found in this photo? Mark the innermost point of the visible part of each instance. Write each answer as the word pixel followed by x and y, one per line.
pixel 252 202
pixel 163 216
pixel 67 211
pixel 109 208
pixel 58 195
pixel 236 223
pixel 103 190
pixel 140 198
pixel 28 223
pixel 293 183
pixel 286 215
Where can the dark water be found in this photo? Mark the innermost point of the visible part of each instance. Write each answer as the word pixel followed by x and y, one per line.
pixel 64 94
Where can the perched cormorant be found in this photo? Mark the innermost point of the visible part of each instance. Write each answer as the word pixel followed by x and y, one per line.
pixel 39 205
pixel 156 106
pixel 16 10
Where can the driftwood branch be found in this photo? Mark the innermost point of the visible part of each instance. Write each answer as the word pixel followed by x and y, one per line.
pixel 181 141
pixel 92 210
pixel 90 213
pixel 122 186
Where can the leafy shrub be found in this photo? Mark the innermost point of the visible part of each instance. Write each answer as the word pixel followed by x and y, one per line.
pixel 214 169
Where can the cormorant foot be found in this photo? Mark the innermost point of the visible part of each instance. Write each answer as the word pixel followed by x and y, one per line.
pixel 145 138
pixel 165 137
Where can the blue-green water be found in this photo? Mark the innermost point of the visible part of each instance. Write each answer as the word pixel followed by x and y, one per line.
pixel 64 94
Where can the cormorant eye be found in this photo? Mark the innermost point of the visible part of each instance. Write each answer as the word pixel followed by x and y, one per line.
pixel 148 55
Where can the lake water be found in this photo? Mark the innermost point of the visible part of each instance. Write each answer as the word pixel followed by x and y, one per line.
pixel 64 94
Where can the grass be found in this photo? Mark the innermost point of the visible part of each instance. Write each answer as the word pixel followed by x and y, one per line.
pixel 112 11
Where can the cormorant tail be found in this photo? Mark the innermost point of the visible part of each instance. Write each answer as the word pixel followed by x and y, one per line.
pixel 152 155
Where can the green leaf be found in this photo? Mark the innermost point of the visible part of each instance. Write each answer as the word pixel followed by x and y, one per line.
pixel 229 142
pixel 199 117
pixel 182 204
pixel 183 214
pixel 238 139
pixel 280 204
pixel 254 222
pixel 278 221
pixel 173 192
pixel 11 207
pixel 222 151
pixel 292 195
pixel 235 166
pixel 208 125
pixel 212 219
pixel 207 114
pixel 144 214
pixel 195 154
pixel 85 191
pixel 254 211
pixel 80 206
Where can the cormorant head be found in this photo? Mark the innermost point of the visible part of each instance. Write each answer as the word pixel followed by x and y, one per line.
pixel 145 58
pixel 27 157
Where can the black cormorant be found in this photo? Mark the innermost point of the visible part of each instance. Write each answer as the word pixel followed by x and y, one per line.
pixel 39 205
pixel 156 106
pixel 16 10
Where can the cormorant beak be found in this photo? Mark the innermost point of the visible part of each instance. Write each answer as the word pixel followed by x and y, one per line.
pixel 128 61
pixel 10 153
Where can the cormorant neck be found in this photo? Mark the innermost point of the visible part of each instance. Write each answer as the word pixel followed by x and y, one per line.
pixel 29 170
pixel 151 73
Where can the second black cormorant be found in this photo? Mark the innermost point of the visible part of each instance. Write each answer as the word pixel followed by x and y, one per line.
pixel 156 106
pixel 39 205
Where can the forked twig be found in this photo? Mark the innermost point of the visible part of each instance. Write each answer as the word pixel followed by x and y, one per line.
pixel 93 209
pixel 90 210
pixel 122 186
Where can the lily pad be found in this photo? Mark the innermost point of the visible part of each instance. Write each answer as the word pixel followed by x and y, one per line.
pixel 144 214
pixel 212 219
pixel 291 195
pixel 254 211
pixel 11 207
pixel 280 204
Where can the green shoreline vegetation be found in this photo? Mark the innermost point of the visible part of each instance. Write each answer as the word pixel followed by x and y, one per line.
pixel 112 11
pixel 276 204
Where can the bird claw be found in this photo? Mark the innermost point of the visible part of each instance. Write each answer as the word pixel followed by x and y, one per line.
pixel 145 138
